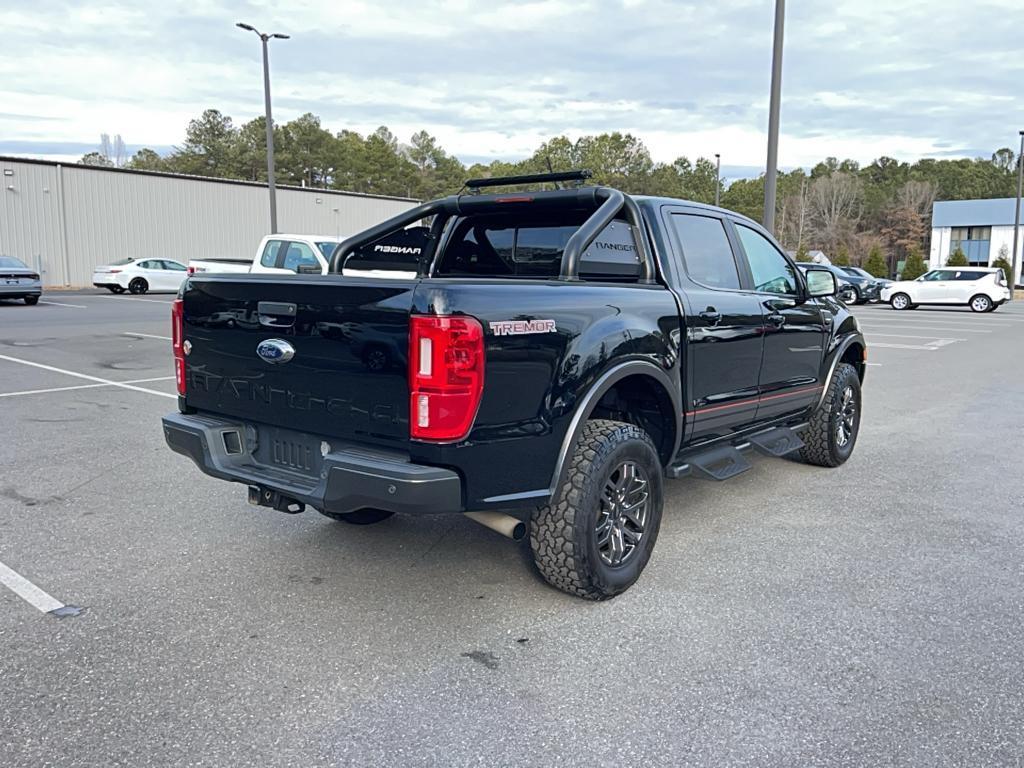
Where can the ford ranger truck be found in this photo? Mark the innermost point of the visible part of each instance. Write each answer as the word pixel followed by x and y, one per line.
pixel 557 355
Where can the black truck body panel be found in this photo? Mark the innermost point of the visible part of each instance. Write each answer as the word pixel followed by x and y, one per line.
pixel 709 363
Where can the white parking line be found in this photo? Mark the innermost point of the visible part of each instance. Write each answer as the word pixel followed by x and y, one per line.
pixel 28 591
pixel 80 386
pixel 909 336
pixel 59 304
pixel 904 346
pixel 146 335
pixel 120 384
pixel 929 328
pixel 136 298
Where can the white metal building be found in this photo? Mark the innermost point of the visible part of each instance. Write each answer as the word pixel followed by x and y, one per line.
pixel 65 219
pixel 980 228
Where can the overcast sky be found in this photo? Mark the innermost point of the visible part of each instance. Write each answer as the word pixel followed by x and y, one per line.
pixel 493 79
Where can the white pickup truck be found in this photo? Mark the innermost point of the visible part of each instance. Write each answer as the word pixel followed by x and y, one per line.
pixel 283 254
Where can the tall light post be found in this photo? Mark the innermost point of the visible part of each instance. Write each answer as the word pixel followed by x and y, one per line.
pixel 270 120
pixel 773 120
pixel 718 176
pixel 1016 216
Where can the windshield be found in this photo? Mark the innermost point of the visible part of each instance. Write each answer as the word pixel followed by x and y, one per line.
pixel 12 263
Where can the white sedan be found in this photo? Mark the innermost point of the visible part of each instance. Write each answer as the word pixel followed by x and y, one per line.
pixel 980 288
pixel 140 275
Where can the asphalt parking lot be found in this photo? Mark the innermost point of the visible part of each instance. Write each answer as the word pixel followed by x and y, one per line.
pixel 870 615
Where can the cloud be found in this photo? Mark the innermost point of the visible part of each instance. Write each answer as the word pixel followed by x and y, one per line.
pixel 496 79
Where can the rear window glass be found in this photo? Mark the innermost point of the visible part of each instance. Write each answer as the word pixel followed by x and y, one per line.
pixel 970 276
pixel 11 263
pixel 706 251
pixel 503 247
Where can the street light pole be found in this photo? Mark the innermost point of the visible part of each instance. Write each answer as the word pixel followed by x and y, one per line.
pixel 270 120
pixel 718 175
pixel 1016 217
pixel 773 119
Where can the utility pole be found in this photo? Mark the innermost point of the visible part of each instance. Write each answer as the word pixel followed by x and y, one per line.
pixel 1012 277
pixel 771 171
pixel 718 176
pixel 270 120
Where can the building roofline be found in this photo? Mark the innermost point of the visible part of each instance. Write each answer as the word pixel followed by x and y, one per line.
pixel 212 179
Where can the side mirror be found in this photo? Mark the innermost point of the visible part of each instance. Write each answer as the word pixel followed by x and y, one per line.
pixel 821 282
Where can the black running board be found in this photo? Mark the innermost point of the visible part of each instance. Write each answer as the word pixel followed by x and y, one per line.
pixel 724 461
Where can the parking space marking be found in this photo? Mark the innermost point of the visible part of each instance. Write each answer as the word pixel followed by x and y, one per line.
pixel 80 386
pixel 146 335
pixel 931 328
pixel 136 298
pixel 28 591
pixel 59 304
pixel 925 347
pixel 87 377
pixel 909 336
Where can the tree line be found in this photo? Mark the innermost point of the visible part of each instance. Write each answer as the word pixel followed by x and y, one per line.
pixel 874 215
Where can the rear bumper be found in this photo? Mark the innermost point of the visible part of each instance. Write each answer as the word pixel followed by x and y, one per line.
pixel 349 478
pixel 20 290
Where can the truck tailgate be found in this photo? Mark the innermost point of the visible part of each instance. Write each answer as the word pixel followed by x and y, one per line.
pixel 337 364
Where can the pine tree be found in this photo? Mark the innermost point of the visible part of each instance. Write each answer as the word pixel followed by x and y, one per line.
pixel 957 258
pixel 876 263
pixel 842 258
pixel 914 266
pixel 801 254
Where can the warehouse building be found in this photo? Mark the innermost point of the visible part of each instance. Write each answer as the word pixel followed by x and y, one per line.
pixel 63 219
pixel 982 229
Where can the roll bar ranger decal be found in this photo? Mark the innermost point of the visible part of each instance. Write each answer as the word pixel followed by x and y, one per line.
pixel 522 327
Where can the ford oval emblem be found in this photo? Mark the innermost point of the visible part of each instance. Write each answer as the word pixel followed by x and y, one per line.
pixel 275 350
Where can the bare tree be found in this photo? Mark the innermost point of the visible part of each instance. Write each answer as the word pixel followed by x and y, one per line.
pixel 917 196
pixel 834 208
pixel 120 153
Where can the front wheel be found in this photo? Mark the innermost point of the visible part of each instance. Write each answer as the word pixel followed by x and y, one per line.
pixel 596 535
pixel 834 426
pixel 981 303
pixel 900 301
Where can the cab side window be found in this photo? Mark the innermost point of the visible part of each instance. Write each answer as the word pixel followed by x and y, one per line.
pixel 300 255
pixel 771 272
pixel 707 255
pixel 269 258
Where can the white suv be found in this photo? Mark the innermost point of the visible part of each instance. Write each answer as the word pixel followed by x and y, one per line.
pixel 980 288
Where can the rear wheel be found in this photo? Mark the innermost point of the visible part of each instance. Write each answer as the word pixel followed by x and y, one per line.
pixel 30 300
pixel 832 433
pixel 900 301
pixel 115 289
pixel 597 534
pixel 981 303
pixel 360 516
pixel 138 286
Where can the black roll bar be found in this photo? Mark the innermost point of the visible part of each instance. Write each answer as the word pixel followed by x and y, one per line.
pixel 531 178
pixel 614 203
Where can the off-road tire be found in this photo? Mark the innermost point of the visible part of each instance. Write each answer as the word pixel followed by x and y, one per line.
pixel 360 516
pixel 562 533
pixel 820 441
pixel 138 286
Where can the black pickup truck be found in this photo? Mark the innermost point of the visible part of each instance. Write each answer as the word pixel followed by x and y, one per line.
pixel 559 353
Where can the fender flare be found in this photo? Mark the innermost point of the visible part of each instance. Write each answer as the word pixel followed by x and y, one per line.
pixel 593 396
pixel 837 355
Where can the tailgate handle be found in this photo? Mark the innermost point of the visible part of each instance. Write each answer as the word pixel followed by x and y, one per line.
pixel 277 314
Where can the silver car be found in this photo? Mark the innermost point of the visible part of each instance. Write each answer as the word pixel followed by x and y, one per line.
pixel 18 281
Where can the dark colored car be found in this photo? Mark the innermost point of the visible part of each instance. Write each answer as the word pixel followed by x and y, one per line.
pixel 845 292
pixel 559 355
pixel 19 281
pixel 866 287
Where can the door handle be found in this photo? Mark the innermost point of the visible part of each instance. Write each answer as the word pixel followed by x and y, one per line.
pixel 277 314
pixel 711 316
pixel 777 319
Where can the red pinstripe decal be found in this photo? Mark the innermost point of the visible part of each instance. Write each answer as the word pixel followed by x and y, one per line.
pixel 753 400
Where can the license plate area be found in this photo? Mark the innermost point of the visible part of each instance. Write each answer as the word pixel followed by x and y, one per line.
pixel 289 450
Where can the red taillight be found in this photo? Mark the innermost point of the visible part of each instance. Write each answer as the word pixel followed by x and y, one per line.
pixel 113 271
pixel 177 343
pixel 446 376
pixel 190 270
